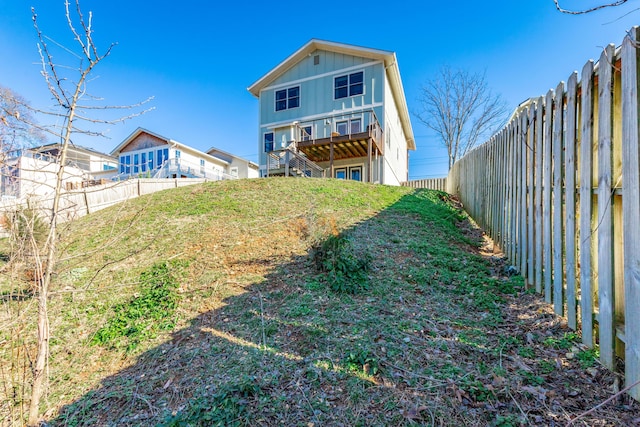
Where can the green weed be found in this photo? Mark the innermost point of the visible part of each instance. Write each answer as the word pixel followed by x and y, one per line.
pixel 566 342
pixel 144 316
pixel 225 407
pixel 361 361
pixel 588 358
pixel 546 366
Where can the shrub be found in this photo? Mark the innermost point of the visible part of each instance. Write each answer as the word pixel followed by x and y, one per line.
pixel 345 271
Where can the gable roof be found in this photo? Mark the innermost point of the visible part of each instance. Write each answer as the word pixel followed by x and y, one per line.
pixel 171 142
pixel 390 65
pixel 226 156
pixel 72 148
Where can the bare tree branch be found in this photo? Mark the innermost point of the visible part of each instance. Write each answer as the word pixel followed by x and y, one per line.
pixel 68 90
pixel 460 109
pixel 589 10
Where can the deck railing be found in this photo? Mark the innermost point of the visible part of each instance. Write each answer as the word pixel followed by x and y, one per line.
pixel 290 163
pixel 172 168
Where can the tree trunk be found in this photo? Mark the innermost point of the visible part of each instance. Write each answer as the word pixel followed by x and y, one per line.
pixel 50 260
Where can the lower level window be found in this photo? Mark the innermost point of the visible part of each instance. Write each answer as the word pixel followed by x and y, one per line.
pixel 353 173
pixel 268 142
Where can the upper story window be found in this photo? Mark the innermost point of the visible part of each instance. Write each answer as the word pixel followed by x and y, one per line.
pixel 342 127
pixel 288 98
pixel 348 127
pixel 355 125
pixel 305 133
pixel 268 142
pixel 348 85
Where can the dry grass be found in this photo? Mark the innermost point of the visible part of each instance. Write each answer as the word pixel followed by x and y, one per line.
pixel 439 337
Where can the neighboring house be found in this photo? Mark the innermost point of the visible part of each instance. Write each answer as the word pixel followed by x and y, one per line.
pixel 335 110
pixel 33 171
pixel 83 158
pixel 238 167
pixel 147 154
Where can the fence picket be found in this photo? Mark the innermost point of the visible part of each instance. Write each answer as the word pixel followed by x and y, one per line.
pixel 557 233
pixel 570 199
pixel 605 197
pixel 586 203
pixel 546 195
pixel 530 192
pixel 538 194
pixel 631 207
pixel 523 244
pixel 515 225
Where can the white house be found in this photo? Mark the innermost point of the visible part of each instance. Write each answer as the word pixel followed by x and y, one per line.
pixel 238 167
pixel 335 110
pixel 32 172
pixel 147 154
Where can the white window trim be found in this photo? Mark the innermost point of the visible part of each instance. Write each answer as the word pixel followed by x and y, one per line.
pixel 347 70
pixel 347 171
pixel 301 129
pixel 286 89
pixel 263 142
pixel 338 122
pixel 364 86
pixel 348 121
pixel 358 167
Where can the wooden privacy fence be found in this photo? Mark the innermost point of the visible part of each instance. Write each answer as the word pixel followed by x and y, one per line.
pixel 558 189
pixel 439 184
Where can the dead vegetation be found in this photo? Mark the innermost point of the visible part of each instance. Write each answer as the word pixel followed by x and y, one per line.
pixel 441 335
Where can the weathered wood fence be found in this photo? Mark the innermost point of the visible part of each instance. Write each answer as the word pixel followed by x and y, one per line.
pixel 559 190
pixel 439 184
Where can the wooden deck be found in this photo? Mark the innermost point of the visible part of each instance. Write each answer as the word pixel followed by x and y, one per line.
pixel 343 146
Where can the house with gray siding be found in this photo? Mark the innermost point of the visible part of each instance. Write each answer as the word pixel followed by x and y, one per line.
pixel 335 110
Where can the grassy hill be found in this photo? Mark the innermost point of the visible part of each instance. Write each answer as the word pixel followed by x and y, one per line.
pixel 293 302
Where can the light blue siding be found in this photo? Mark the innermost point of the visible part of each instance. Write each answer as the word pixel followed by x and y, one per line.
pixel 317 93
pixel 317 101
pixel 328 62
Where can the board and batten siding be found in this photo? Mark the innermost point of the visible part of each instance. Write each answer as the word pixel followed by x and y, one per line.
pixel 395 163
pixel 317 101
pixel 317 88
pixel 559 190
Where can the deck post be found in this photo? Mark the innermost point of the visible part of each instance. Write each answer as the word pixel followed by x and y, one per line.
pixel 286 163
pixel 369 174
pixel 331 159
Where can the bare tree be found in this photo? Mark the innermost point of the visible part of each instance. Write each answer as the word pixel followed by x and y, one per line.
pixel 17 126
pixel 590 9
pixel 74 107
pixel 459 107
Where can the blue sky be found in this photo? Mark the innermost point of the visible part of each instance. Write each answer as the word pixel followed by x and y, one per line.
pixel 196 57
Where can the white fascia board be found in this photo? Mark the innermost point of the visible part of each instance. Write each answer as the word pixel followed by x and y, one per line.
pixel 312 45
